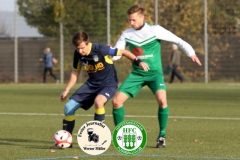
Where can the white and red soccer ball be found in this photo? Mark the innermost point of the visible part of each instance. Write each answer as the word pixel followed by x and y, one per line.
pixel 62 139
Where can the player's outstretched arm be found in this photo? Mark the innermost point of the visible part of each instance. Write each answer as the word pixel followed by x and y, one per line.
pixel 195 59
pixel 126 53
pixel 73 79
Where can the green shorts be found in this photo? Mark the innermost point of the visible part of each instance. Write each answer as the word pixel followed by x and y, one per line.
pixel 134 82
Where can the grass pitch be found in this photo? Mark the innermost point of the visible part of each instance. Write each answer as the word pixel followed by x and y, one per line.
pixel 204 122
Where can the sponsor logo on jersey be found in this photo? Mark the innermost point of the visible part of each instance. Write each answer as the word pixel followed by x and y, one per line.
pixel 146 56
pixel 92 68
pixel 137 51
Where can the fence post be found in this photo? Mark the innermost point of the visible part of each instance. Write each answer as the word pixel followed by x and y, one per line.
pixel 15 42
pixel 108 23
pixel 156 11
pixel 205 43
pixel 61 46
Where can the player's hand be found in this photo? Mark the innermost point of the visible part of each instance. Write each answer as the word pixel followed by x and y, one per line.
pixel 63 96
pixel 144 66
pixel 195 59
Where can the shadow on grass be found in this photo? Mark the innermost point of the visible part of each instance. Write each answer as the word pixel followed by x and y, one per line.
pixel 21 140
pixel 152 147
pixel 30 143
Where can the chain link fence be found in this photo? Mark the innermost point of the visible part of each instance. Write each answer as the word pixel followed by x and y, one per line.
pixel 38 26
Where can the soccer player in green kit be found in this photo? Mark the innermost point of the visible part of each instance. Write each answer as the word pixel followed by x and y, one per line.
pixel 144 40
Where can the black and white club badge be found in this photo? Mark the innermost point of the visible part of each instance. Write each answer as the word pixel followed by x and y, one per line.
pixel 94 137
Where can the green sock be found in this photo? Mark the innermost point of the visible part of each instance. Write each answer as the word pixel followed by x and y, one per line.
pixel 163 120
pixel 118 115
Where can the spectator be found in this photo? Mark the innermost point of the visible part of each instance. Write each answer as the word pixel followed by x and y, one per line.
pixel 49 62
pixel 175 64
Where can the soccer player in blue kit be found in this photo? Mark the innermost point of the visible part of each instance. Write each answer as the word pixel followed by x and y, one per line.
pixel 102 83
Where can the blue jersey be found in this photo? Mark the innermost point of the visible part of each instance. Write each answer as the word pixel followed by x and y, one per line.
pixel 98 64
pixel 47 60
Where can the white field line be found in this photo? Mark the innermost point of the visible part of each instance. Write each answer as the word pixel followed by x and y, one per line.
pixel 131 116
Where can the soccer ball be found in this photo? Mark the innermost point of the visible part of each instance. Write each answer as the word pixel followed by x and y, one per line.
pixel 62 139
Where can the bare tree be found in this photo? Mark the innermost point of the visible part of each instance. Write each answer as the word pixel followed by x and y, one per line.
pixel 4 31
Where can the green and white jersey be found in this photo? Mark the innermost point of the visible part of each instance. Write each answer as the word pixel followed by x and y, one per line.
pixel 146 45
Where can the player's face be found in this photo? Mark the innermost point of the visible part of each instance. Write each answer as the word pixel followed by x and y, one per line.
pixel 136 20
pixel 83 48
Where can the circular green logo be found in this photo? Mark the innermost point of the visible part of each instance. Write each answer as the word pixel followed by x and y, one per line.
pixel 129 137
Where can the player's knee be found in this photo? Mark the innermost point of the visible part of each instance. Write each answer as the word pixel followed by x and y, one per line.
pixel 116 103
pixel 99 104
pixel 100 101
pixel 163 103
pixel 69 109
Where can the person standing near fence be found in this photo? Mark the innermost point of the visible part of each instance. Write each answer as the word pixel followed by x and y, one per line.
pixel 49 62
pixel 144 40
pixel 175 64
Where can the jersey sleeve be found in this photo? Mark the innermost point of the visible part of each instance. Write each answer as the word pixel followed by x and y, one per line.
pixel 107 50
pixel 164 34
pixel 76 63
pixel 121 44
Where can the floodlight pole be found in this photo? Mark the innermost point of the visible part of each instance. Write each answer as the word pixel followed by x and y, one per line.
pixel 108 23
pixel 15 43
pixel 61 46
pixel 156 12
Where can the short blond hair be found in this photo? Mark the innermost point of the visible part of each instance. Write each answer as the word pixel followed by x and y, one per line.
pixel 136 8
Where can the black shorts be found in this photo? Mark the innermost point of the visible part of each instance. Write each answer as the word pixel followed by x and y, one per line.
pixel 86 94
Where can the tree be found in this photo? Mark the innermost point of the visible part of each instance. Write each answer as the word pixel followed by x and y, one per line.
pixel 4 32
pixel 186 20
pixel 87 15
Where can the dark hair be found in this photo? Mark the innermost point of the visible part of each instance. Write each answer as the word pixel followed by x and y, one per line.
pixel 80 37
pixel 134 9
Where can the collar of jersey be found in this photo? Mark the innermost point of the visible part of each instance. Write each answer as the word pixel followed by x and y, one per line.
pixel 141 27
pixel 89 49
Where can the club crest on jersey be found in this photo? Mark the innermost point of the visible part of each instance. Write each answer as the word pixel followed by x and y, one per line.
pixel 95 58
pixel 145 35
